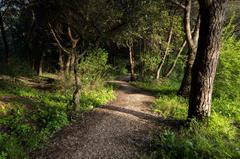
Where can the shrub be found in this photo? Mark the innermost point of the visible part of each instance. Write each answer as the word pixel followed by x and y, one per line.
pixel 228 75
pixel 94 67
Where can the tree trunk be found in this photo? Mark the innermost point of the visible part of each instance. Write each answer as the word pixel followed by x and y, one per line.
pixel 4 38
pixel 72 63
pixel 40 69
pixel 169 72
pixel 192 40
pixel 185 87
pixel 68 63
pixel 77 92
pixel 165 54
pixel 205 65
pixel 131 61
pixel 61 61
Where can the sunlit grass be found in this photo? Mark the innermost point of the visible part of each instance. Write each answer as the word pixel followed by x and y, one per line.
pixel 30 116
pixel 218 138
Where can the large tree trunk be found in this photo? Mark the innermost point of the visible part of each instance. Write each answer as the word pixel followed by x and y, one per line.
pixel 204 68
pixel 159 69
pixel 4 38
pixel 131 61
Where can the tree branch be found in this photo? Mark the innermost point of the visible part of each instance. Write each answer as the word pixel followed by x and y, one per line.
pixel 73 40
pixel 57 40
pixel 187 25
pixel 178 4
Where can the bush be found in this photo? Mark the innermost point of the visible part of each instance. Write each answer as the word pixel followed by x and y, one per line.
pixel 94 67
pixel 228 74
pixel 151 61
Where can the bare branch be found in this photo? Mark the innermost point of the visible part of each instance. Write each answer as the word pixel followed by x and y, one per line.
pixel 178 4
pixel 187 25
pixel 196 30
pixel 73 40
pixel 175 61
pixel 57 40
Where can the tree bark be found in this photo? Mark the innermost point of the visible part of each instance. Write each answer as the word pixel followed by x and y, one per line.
pixel 131 61
pixel 165 54
pixel 77 92
pixel 72 63
pixel 185 87
pixel 4 38
pixel 68 63
pixel 192 40
pixel 40 69
pixel 205 65
pixel 61 61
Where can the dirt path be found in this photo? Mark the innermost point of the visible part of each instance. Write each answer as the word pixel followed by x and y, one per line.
pixel 119 130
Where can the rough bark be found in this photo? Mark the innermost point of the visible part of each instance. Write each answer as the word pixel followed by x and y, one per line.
pixel 204 68
pixel 131 61
pixel 165 54
pixel 4 38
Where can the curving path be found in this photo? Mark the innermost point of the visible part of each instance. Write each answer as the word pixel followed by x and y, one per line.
pixel 120 130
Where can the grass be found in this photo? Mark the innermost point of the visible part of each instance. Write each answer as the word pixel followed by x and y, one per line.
pixel 218 138
pixel 30 116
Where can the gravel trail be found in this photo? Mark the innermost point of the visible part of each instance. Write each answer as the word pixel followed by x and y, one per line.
pixel 120 130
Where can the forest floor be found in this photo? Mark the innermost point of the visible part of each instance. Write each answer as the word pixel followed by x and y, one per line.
pixel 120 129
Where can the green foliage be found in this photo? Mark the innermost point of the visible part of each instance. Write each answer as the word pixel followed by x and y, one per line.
pixel 151 61
pixel 171 107
pixel 95 98
pixel 31 116
pixel 229 71
pixel 94 67
pixel 218 138
pixel 227 84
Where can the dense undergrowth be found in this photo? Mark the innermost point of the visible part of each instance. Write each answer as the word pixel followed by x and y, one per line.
pixel 30 116
pixel 218 138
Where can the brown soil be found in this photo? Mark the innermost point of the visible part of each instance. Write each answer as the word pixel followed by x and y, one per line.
pixel 120 130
